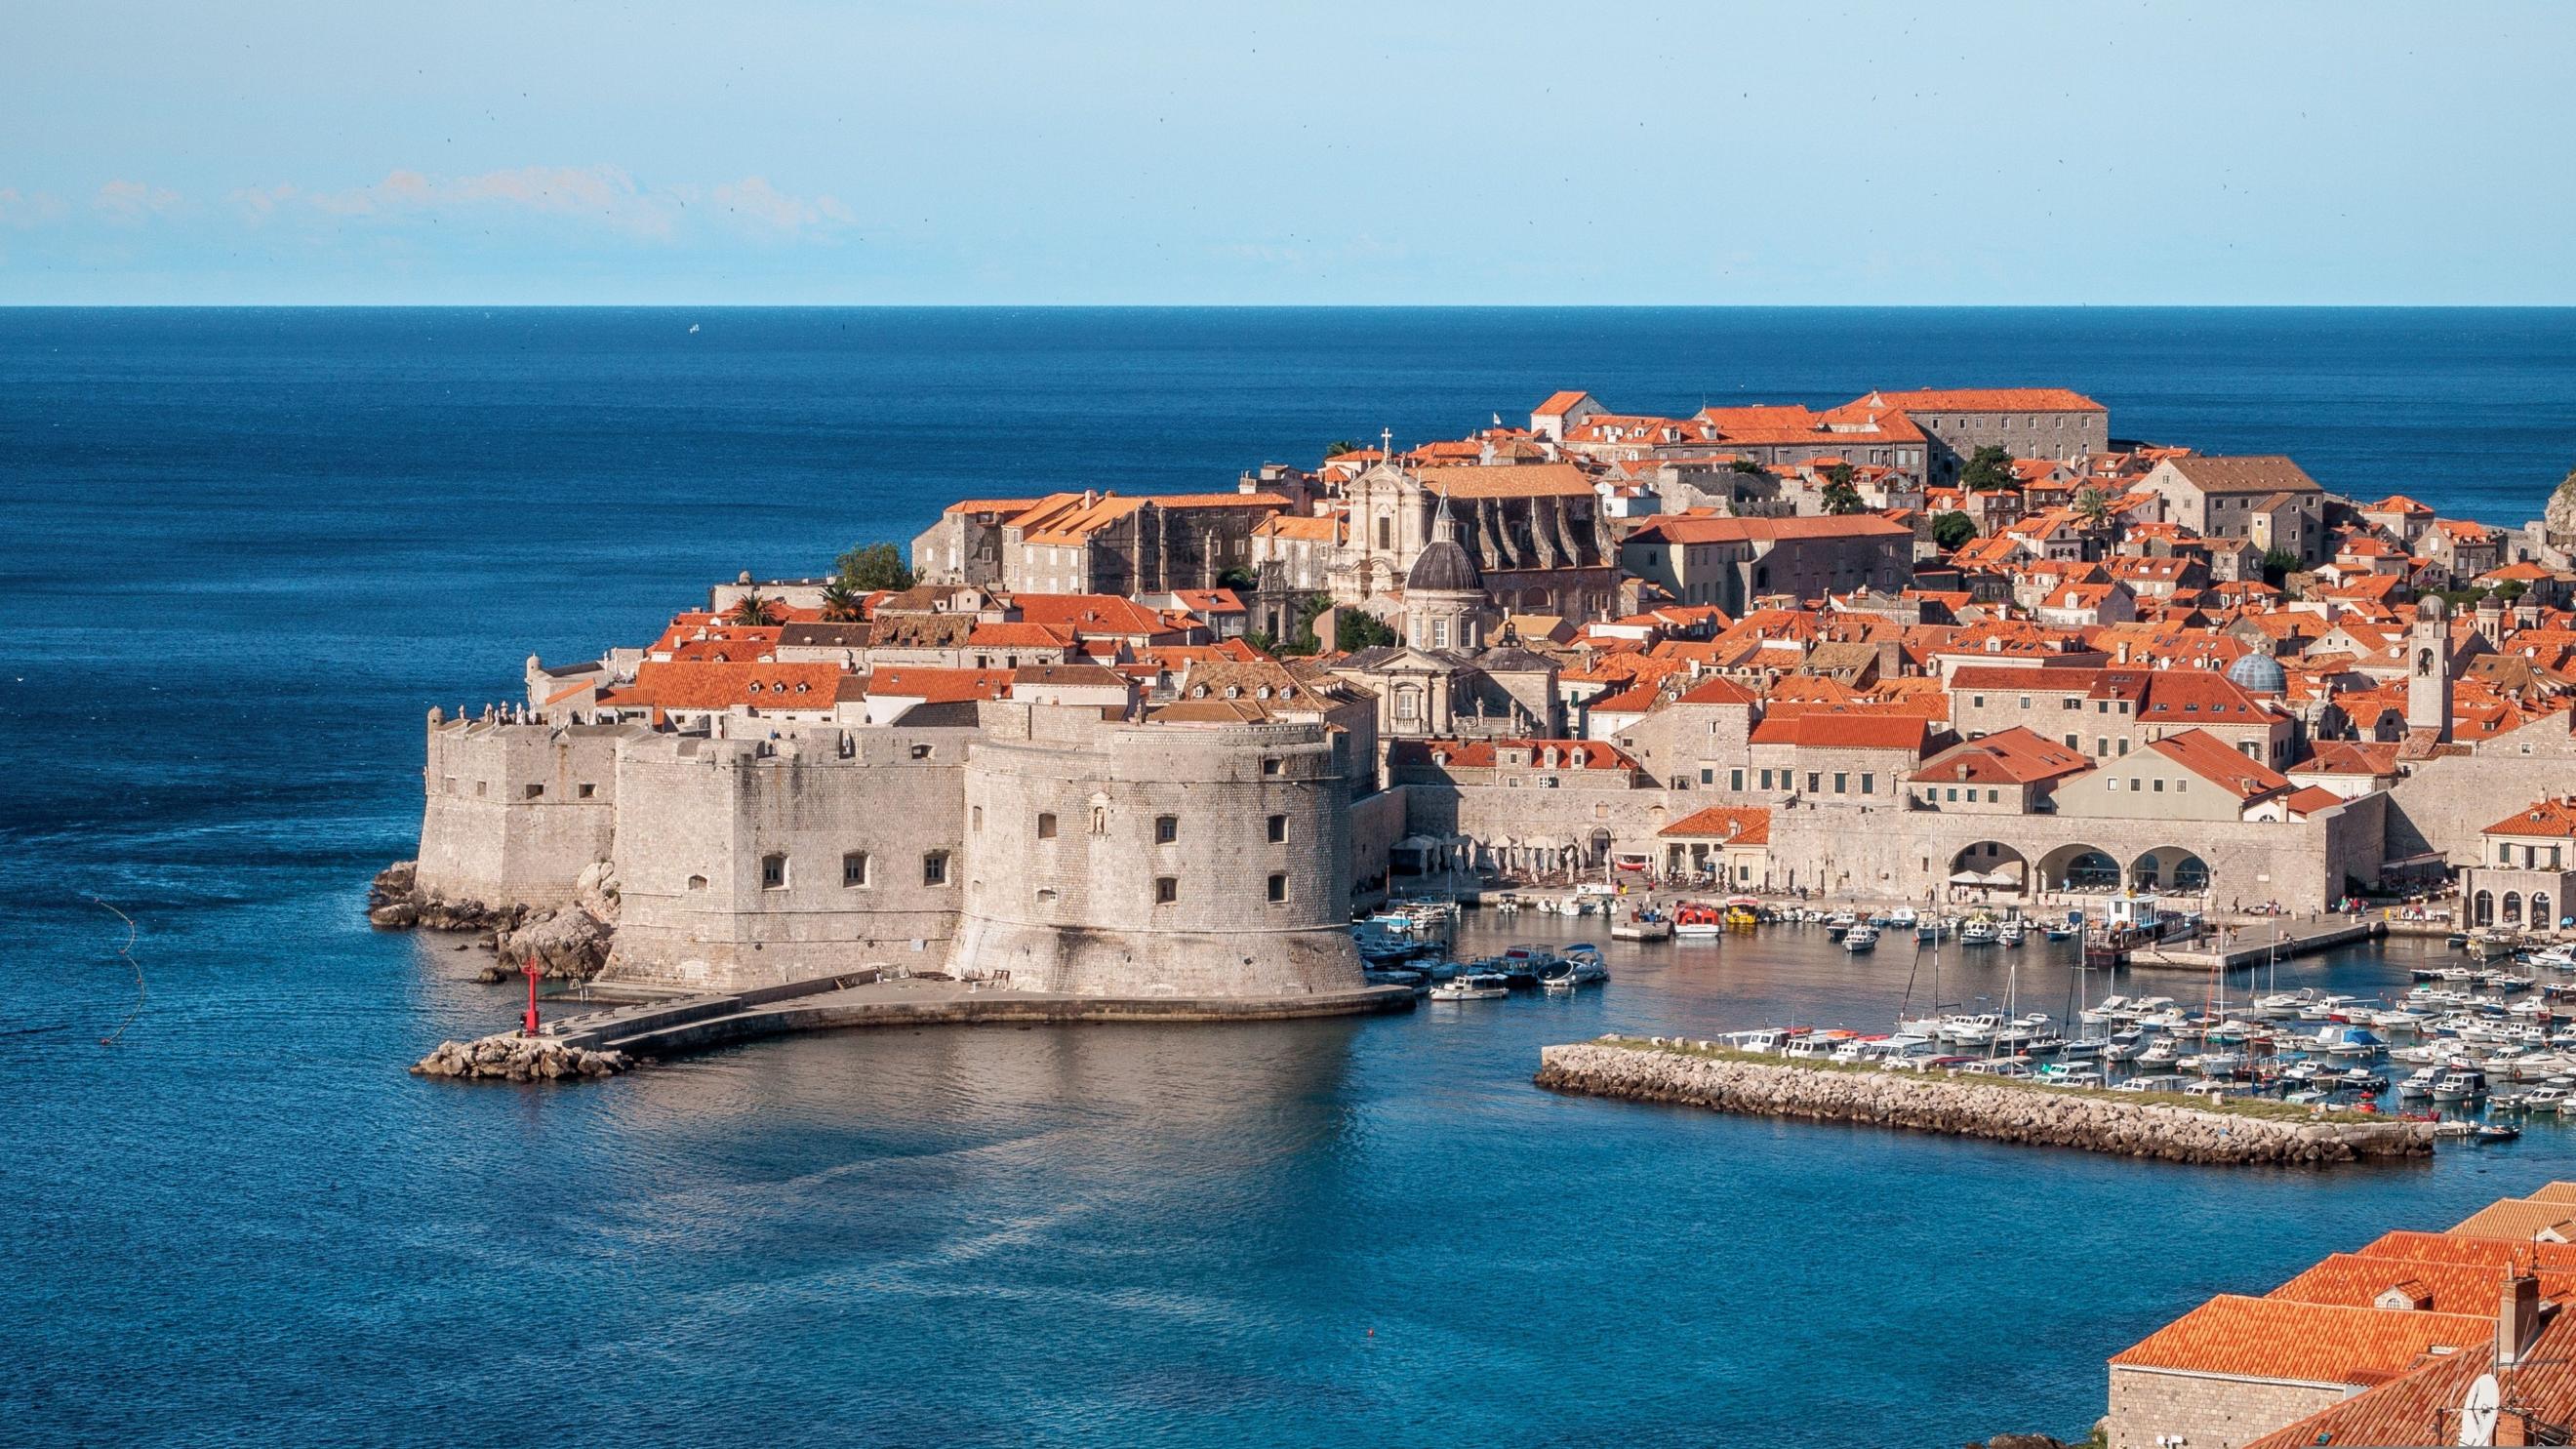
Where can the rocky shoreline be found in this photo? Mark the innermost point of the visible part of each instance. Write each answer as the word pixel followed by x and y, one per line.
pixel 1662 1070
pixel 570 943
pixel 514 1058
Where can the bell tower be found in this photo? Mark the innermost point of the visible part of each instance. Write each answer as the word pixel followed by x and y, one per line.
pixel 2428 672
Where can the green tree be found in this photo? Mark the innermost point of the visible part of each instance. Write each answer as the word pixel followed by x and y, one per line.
pixel 751 611
pixel 842 604
pixel 1989 470
pixel 869 567
pixel 1841 497
pixel 1262 642
pixel 2092 506
pixel 2511 589
pixel 1357 629
pixel 1953 530
pixel 2279 564
pixel 1339 446
pixel 1238 577
pixel 1750 468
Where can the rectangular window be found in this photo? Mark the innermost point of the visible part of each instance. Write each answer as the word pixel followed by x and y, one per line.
pixel 1167 889
pixel 1167 828
pixel 934 868
pixel 587 791
pixel 1954 792
pixel 1278 889
pixel 1270 767
pixel 1735 779
pixel 1994 797
pixel 1815 782
pixel 2124 747
pixel 1766 779
pixel 2160 784
pixel 1869 784
pixel 1707 775
pixel 2111 782
pixel 2102 746
pixel 1977 700
pixel 536 792
pixel 1278 829
pixel 2072 745
pixel 1046 826
pixel 1842 783
pixel 854 868
pixel 2181 785
pixel 773 872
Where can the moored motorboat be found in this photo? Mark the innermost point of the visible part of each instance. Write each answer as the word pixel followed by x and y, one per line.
pixel 1473 986
pixel 1860 938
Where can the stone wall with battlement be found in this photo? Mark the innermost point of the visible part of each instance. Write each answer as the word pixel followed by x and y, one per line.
pixel 1167 860
pixel 512 812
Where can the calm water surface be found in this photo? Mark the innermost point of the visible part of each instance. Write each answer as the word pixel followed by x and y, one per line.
pixel 243 553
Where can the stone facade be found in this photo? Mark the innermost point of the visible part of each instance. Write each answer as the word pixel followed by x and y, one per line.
pixel 2208 1411
pixel 1179 860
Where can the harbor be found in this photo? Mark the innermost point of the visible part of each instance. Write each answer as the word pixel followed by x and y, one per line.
pixel 2161 1126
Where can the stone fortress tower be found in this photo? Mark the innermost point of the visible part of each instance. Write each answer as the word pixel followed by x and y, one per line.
pixel 1155 860
pixel 1040 847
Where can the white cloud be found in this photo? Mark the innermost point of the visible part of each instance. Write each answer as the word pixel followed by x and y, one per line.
pixel 29 208
pixel 131 203
pixel 603 197
pixel 757 204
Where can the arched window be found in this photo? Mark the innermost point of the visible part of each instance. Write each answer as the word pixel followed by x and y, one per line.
pixel 2540 910
pixel 2513 908
pixel 2482 910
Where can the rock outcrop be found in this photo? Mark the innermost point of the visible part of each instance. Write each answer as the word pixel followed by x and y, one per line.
pixel 396 901
pixel 1657 1071
pixel 514 1058
pixel 568 943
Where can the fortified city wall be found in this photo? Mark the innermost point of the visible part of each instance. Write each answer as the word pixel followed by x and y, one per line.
pixel 512 812
pixel 1128 860
pixel 744 862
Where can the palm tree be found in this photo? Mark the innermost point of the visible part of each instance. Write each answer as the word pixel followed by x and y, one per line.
pixel 754 612
pixel 841 603
pixel 2092 506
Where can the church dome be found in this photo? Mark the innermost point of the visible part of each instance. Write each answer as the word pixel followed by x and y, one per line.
pixel 2259 674
pixel 1443 567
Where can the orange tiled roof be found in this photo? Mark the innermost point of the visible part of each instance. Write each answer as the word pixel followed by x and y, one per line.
pixel 2542 819
pixel 1734 824
pixel 1522 480
pixel 2317 1343
pixel 1985 400
pixel 706 684
pixel 2212 759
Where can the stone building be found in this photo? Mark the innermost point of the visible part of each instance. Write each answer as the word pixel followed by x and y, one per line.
pixel 1049 847
pixel 1729 562
pixel 2267 500
pixel 2027 422
pixel 1535 533
pixel 2526 863
pixel 1094 543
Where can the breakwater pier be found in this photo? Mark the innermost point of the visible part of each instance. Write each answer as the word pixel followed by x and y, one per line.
pixel 2157 1126
pixel 676 1025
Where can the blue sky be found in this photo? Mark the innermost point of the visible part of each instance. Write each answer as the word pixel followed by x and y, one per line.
pixel 658 151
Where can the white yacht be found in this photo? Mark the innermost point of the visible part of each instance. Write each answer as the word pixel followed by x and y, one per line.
pixel 1472 986
pixel 1860 938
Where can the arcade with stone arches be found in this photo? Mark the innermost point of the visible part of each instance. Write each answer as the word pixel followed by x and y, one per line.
pixel 2075 867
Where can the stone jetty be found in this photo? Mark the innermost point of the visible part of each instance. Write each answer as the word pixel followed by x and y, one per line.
pixel 1660 1069
pixel 515 1058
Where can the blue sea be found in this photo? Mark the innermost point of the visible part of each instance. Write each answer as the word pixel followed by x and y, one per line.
pixel 243 552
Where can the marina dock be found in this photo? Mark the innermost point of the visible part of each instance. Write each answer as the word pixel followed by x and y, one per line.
pixel 2256 946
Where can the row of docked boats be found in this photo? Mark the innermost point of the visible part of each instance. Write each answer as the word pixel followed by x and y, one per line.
pixel 1557 971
